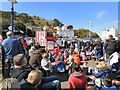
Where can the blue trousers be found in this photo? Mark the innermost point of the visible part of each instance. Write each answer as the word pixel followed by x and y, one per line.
pixel 50 82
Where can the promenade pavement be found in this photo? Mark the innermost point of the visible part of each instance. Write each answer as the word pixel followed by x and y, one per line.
pixel 64 77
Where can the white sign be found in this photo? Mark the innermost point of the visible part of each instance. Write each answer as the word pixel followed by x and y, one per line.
pixel 40 38
pixel 50 45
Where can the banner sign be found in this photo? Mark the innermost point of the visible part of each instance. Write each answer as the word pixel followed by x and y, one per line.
pixel 40 38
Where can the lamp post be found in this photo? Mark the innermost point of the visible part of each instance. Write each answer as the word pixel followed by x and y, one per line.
pixel 90 29
pixel 12 13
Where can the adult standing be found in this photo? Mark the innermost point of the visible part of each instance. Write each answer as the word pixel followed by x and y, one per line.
pixel 11 48
pixel 110 46
pixel 98 48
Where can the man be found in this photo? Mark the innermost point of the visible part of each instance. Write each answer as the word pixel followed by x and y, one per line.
pixel 110 46
pixel 11 47
pixel 35 59
pixel 36 81
pixel 20 69
pixel 98 49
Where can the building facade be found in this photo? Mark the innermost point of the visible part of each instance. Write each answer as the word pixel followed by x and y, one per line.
pixel 112 31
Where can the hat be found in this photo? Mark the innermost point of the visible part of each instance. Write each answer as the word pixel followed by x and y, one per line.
pixel 9 33
pixel 37 46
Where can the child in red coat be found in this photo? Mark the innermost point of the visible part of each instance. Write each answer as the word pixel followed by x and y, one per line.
pixel 77 80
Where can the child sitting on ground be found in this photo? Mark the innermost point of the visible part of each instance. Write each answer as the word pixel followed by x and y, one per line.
pixel 84 58
pixel 46 64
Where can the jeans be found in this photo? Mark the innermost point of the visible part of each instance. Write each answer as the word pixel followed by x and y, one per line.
pixel 98 52
pixel 50 82
pixel 6 68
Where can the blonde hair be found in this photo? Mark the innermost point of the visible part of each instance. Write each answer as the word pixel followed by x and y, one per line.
pixel 34 77
pixel 45 55
pixel 9 84
pixel 101 64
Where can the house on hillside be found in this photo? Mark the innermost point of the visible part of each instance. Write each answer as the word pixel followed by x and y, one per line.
pixel 112 31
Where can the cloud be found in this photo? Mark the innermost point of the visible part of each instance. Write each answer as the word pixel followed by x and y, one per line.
pixel 101 14
pixel 115 22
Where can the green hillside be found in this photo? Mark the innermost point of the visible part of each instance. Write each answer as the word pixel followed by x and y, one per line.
pixel 21 20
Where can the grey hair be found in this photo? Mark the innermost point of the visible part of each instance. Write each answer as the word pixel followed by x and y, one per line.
pixel 9 84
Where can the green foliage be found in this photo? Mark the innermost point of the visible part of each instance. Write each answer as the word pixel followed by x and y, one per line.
pixel 82 33
pixel 20 26
pixel 6 15
pixel 57 22
pixel 23 19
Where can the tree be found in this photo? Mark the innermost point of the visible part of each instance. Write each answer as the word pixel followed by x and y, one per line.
pixel 20 26
pixel 57 22
pixel 70 27
pixel 82 33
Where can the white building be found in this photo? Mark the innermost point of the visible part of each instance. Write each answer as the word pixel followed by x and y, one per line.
pixel 112 31
pixel 67 33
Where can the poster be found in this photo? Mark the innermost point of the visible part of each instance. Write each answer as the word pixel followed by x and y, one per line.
pixel 50 45
pixel 40 38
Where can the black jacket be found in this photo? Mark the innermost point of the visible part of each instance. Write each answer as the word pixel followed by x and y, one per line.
pixel 27 86
pixel 19 74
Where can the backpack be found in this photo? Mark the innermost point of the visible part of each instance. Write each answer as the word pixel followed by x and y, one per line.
pixel 111 45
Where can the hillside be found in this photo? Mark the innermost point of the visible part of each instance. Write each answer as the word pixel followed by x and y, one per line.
pixel 23 20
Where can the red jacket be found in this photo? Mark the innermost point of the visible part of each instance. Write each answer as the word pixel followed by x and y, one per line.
pixel 78 81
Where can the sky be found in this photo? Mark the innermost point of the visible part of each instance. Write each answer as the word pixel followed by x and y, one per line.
pixel 79 14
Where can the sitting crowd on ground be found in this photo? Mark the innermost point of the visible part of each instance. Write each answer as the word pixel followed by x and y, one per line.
pixel 34 68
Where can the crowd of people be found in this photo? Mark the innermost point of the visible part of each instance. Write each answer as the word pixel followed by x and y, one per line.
pixel 33 67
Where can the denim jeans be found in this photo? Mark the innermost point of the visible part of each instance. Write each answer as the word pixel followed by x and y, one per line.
pixel 50 82
pixel 98 52
pixel 6 68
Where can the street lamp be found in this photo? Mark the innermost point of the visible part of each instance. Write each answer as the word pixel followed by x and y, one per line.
pixel 12 13
pixel 90 29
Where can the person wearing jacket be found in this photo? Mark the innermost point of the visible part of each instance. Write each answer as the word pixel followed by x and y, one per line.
pixel 36 57
pixel 76 58
pixel 110 46
pixel 20 69
pixel 60 66
pixel 35 81
pixel 77 79
pixel 46 64
pixel 98 49
pixel 11 47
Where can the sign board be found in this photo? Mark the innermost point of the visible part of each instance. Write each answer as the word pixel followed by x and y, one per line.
pixel 40 38
pixel 50 45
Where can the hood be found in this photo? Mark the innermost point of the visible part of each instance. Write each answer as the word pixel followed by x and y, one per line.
pixel 78 74
pixel 37 52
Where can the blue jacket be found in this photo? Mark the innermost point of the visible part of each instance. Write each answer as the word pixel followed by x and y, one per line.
pixel 61 66
pixel 11 48
pixel 101 73
pixel 108 88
